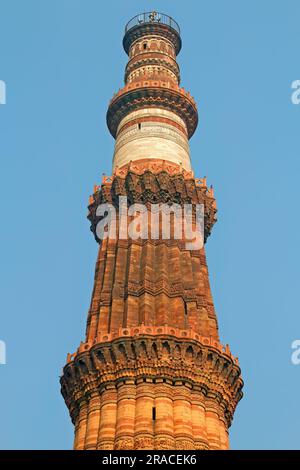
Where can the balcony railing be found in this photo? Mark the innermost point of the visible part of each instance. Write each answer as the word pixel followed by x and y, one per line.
pixel 152 17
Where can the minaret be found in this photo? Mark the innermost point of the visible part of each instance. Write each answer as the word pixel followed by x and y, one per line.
pixel 151 373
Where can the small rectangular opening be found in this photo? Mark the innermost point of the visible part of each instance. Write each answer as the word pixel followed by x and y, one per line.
pixel 185 309
pixel 154 413
pixel 139 126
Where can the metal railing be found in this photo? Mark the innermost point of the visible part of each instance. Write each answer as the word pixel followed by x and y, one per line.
pixel 152 17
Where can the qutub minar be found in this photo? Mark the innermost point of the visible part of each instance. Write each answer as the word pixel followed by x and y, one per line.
pixel 151 373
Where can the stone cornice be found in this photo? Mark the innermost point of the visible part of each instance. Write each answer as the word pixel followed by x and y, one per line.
pixel 150 188
pixel 183 361
pixel 152 93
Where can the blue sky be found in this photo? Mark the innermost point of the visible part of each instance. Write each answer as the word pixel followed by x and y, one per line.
pixel 62 60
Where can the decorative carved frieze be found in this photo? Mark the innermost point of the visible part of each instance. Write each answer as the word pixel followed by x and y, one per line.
pixel 186 360
pixel 152 93
pixel 154 188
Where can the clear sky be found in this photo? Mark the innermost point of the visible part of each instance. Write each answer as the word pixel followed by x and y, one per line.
pixel 62 60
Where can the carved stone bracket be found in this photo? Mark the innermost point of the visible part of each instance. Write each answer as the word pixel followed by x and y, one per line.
pixel 185 360
pixel 154 188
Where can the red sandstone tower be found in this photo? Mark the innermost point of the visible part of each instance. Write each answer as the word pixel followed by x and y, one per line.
pixel 151 373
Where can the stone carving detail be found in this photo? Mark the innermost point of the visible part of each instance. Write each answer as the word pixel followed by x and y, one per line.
pixel 149 130
pixel 143 443
pixel 168 367
pixel 183 444
pixel 152 93
pixel 164 444
pixel 151 373
pixel 124 444
pixel 151 188
pixel 138 69
pixel 173 358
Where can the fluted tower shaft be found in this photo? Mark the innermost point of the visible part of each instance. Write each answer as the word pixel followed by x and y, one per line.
pixel 151 372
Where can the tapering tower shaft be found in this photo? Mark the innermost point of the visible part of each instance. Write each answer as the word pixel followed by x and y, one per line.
pixel 152 117
pixel 151 373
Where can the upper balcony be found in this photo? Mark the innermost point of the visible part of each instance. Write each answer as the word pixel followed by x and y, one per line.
pixel 152 17
pixel 152 23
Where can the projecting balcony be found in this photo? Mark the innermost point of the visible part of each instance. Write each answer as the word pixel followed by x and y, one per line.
pixel 152 17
